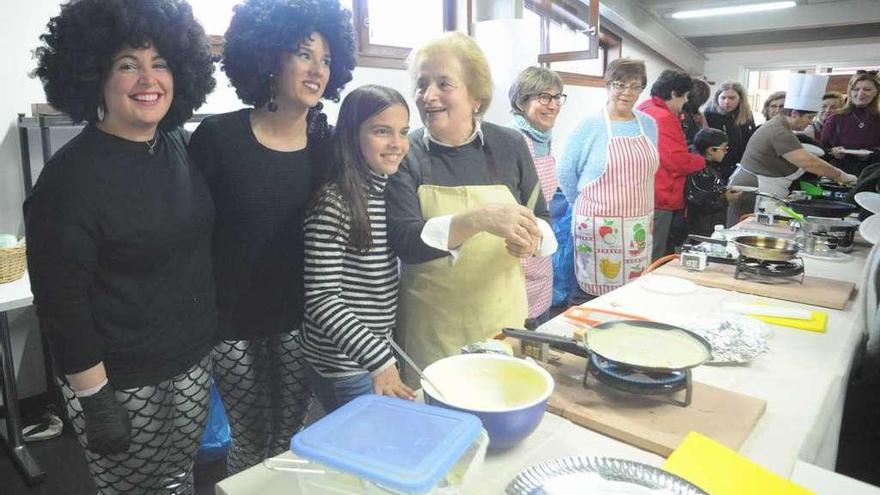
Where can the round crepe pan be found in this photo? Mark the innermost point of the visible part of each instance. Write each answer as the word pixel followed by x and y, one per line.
pixel 637 364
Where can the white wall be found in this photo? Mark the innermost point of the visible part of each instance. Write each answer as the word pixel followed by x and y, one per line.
pixel 23 22
pixel 734 64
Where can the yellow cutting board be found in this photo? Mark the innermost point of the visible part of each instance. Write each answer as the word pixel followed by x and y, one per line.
pixel 816 323
pixel 721 471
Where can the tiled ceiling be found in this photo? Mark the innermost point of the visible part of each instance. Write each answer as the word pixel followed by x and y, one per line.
pixel 809 21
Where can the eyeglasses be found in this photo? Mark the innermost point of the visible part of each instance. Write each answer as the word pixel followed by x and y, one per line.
pixel 620 87
pixel 721 148
pixel 544 98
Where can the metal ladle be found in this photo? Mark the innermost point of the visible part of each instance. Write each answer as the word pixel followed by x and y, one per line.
pixel 414 366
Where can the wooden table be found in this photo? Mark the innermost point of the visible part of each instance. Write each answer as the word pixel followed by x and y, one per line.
pixel 14 295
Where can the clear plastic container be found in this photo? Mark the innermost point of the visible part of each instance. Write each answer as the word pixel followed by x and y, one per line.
pixel 382 445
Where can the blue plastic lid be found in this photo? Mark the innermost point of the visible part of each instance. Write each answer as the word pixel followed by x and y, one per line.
pixel 400 444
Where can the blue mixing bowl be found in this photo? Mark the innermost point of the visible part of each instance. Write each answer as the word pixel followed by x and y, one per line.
pixel 508 394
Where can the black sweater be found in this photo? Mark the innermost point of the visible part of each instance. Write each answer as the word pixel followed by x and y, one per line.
pixel 119 257
pixel 260 195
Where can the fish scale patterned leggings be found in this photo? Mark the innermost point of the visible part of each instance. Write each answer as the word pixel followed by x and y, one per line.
pixel 262 382
pixel 167 421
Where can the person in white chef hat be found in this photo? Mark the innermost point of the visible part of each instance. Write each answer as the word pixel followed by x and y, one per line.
pixel 774 157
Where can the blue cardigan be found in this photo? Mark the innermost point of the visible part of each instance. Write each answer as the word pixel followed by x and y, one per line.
pixel 584 158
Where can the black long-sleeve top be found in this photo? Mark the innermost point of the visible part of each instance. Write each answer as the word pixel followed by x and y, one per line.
pixel 261 197
pixel 738 136
pixel 706 204
pixel 465 165
pixel 119 254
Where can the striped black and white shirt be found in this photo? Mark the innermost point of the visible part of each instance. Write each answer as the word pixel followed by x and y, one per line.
pixel 350 296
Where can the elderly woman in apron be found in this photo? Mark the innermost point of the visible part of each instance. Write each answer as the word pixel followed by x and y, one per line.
pixel 463 209
pixel 535 100
pixel 607 172
pixel 774 158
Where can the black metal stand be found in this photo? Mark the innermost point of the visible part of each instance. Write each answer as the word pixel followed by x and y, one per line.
pixel 13 439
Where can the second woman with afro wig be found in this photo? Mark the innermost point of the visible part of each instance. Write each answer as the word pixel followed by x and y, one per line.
pixel 261 164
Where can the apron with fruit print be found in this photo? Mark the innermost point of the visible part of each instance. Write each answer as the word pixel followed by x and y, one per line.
pixel 539 270
pixel 613 215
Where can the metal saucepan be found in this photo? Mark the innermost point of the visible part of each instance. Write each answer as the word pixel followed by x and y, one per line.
pixel 767 248
pixel 617 335
pixel 817 207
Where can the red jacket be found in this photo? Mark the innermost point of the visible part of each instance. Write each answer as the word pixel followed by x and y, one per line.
pixel 676 163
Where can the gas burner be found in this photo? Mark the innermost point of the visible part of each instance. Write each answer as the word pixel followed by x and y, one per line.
pixel 640 382
pixel 769 272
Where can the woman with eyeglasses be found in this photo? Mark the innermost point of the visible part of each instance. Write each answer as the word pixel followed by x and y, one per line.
pixel 607 172
pixel 729 111
pixel 853 133
pixel 773 105
pixel 536 98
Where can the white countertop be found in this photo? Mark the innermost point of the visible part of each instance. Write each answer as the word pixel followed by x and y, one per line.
pixel 16 294
pixel 803 379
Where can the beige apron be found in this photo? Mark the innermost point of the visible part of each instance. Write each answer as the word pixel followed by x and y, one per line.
pixel 444 306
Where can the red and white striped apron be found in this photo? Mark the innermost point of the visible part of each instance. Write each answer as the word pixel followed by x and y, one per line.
pixel 539 271
pixel 613 215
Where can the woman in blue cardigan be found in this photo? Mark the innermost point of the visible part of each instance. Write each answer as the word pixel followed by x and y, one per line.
pixel 607 173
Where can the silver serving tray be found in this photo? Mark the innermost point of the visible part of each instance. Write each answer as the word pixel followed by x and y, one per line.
pixel 533 480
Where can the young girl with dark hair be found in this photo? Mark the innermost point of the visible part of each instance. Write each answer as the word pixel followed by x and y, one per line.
pixel 350 270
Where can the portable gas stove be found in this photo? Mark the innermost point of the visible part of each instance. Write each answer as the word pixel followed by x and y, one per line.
pixel 665 385
pixel 769 272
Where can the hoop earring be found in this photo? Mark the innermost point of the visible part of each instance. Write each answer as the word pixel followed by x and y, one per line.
pixel 273 104
pixel 100 112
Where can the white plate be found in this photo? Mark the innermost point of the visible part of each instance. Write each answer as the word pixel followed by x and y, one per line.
pixel 857 152
pixel 830 256
pixel 663 284
pixel 812 148
pixel 869 201
pixel 742 188
pixel 870 229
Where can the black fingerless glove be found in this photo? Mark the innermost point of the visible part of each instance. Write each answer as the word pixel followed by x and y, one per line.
pixel 108 429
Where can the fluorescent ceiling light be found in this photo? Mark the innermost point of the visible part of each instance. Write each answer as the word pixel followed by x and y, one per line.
pixel 736 9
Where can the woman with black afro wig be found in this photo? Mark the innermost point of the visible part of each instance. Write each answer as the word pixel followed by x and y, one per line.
pixel 262 164
pixel 119 231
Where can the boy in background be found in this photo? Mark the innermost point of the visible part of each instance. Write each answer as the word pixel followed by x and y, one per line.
pixel 706 191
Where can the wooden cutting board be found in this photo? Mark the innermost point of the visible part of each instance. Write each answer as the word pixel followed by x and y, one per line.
pixel 645 422
pixel 814 291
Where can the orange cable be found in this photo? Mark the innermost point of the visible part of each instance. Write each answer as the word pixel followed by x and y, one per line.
pixel 656 264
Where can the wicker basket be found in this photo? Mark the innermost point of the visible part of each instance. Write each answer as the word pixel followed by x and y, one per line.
pixel 12 263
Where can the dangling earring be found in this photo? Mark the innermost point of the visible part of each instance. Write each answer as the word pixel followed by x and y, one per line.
pixel 273 105
pixel 100 112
